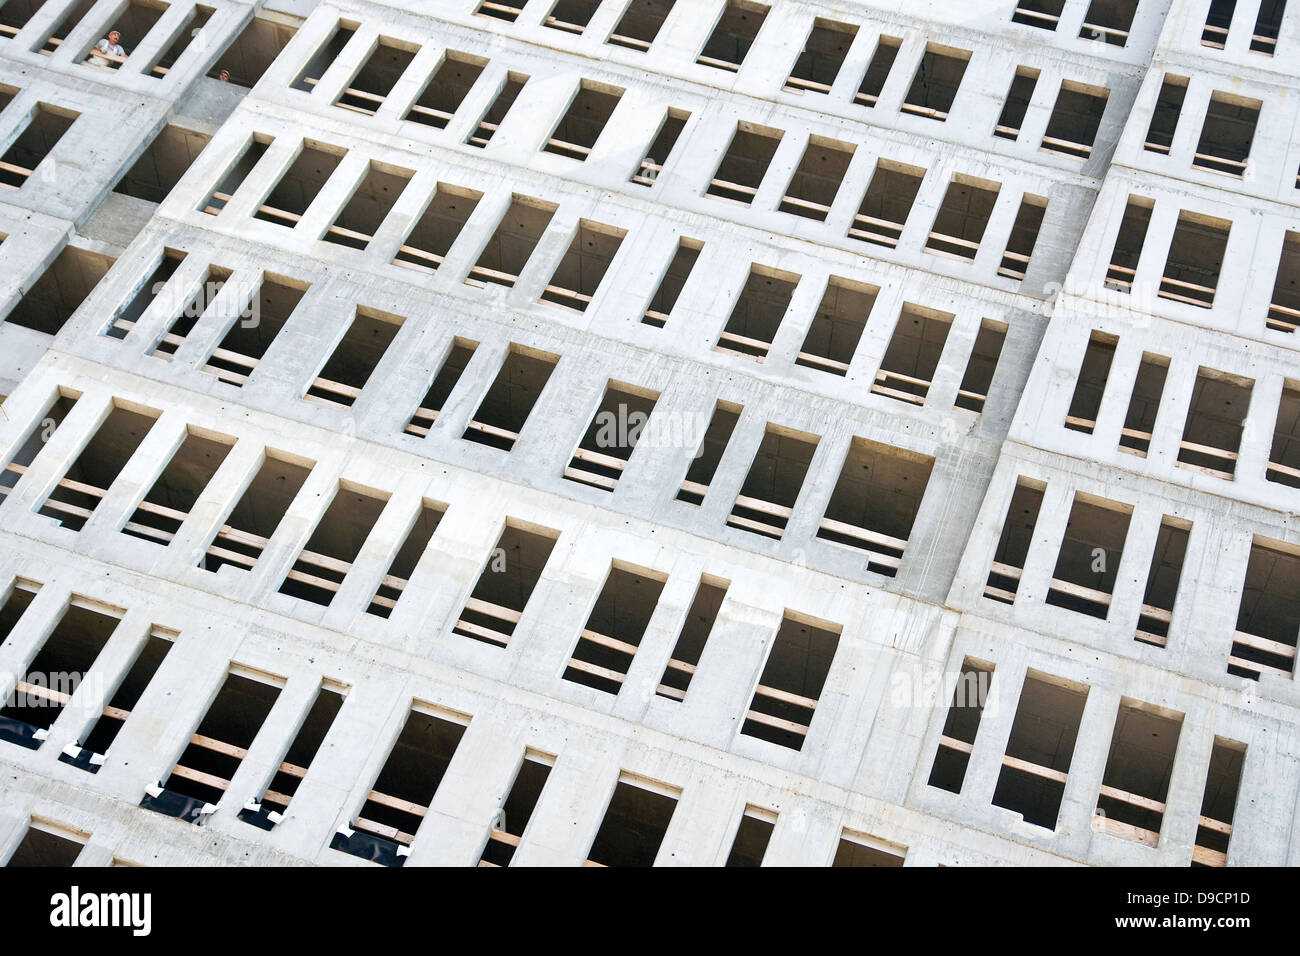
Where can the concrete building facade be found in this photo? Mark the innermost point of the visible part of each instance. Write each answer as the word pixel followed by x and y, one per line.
pixel 629 432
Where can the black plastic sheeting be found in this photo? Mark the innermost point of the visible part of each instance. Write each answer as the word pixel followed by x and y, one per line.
pixel 260 818
pixel 373 848
pixel 20 733
pixel 81 761
pixel 175 805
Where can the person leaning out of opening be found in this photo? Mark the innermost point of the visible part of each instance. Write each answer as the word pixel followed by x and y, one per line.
pixel 111 45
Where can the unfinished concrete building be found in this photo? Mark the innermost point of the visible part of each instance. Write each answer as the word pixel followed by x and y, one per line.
pixel 631 432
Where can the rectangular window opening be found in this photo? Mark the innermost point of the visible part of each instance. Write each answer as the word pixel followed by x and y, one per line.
pixel 512 244
pixel 614 629
pixel 579 274
pixel 817 179
pixel 495 115
pixel 510 400
pixel 887 203
pixel 430 239
pixel 81 488
pixel 776 476
pixel 571 16
pixel 588 112
pixel 164 508
pixel 1144 405
pixel 50 301
pixel 733 35
pixel 41 845
pixel 440 388
pixel 861 850
pixel 253 51
pixel 1162 581
pixel 793 677
pixel 92 747
pixel 665 141
pixel 1016 105
pixel 335 544
pixel 1165 115
pixel 1268 23
pixel 324 56
pixel 1217 22
pixel 757 314
pixel 823 54
pixel 1109 21
pixel 962 218
pixel 516 810
pixel 1284 304
pixel 912 358
pixel 160 167
pixel 1268 617
pixel 196 302
pixel 1040 748
pixel 1075 120
pixel 408 556
pixel 641 23
pixel 934 86
pixel 882 62
pixel 39 433
pixel 1284 455
pixel 749 846
pixel 448 86
pixel 247 530
pixel 745 163
pixel 973 392
pixel 301 183
pixel 634 824
pixel 1044 14
pixel 960 727
pixel 349 369
pixel 1128 244
pixel 1087 566
pixel 373 83
pixel 1216 418
pixel 875 502
pixel 1090 383
pixel 673 281
pixel 506 583
pixel 837 328
pixel 1219 803
pixel 265 812
pixel 1135 785
pixel 361 217
pixel 606 448
pixel 1227 134
pixel 704 466
pixel 1014 541
pixel 251 333
pixel 241 165
pixel 696 628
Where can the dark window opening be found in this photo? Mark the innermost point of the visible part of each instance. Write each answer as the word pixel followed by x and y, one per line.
pixel 89 478
pixel 700 618
pixel 1014 541
pixel 1219 803
pixel 42 847
pixel 793 677
pixel 1268 24
pixel 709 454
pixel 960 727
pixel 674 279
pixel 1228 133
pixel 185 318
pixel 1284 304
pixel 21 594
pixel 508 251
pixel 133 22
pixel 373 83
pixel 301 183
pixel 1040 748
pixel 440 388
pixel 41 134
pixel 602 456
pixel 248 528
pixel 349 369
pixel 39 432
pixel 973 392
pixel 745 163
pixel 757 314
pixel 752 837
pixel 882 62
pixel 934 86
pixel 253 331
pixel 1017 103
pixel 1162 581
pixel 1087 566
pixel 253 51
pixel 1044 14
pixel 823 54
pixel 516 810
pixel 159 516
pixel 432 236
pixel 962 218
pixel 506 583
pixel 1109 21
pixel 875 502
pixel 571 16
pixel 447 89
pixel 613 632
pixel 1217 23
pixel 64 24
pixel 1144 405
pixel 641 23
pixel 912 358
pixel 500 11
pixel 1075 120
pixel 1216 417
pixel 854 851
pixel 496 113
pixel 195 21
pixel 1132 234
pixel 1090 383
pixel 1165 115
pixel 776 476
pixel 1284 455
pixel 160 167
pixel 665 141
pixel 94 743
pixel 837 328
pixel 405 788
pixel 817 179
pixel 369 206
pixel 324 56
pixel 634 824
pixel 733 35
pixel 408 556
pixel 887 203
pixel 241 165
pixel 335 544
pixel 578 129
pixel 580 272
pixel 47 683
pixel 510 400
pixel 51 300
pixel 1131 802
pixel 1268 618
pixel 294 764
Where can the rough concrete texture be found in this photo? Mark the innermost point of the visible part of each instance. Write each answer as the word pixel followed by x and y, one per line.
pixel 867 765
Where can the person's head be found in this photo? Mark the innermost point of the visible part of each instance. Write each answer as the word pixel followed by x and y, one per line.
pixel 114 37
pixel 224 76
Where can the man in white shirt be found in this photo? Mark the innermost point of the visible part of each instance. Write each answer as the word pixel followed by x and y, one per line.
pixel 112 45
